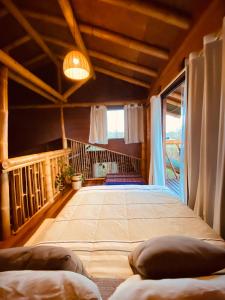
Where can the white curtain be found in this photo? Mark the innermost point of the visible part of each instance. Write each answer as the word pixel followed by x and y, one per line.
pixel 98 125
pixel 157 169
pixel 133 124
pixel 206 131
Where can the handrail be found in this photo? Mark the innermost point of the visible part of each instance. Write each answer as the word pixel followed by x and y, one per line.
pixel 105 149
pixel 22 161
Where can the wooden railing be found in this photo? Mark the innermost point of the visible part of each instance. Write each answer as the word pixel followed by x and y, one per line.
pixel 30 185
pixel 170 161
pixel 93 161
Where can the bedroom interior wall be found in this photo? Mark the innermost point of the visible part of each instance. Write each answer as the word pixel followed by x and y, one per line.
pixel 30 129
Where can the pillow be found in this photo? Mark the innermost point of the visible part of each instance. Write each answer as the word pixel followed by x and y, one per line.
pixel 212 288
pixel 175 257
pixel 51 285
pixel 40 258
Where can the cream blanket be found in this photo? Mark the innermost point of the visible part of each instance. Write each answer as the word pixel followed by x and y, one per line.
pixel 102 224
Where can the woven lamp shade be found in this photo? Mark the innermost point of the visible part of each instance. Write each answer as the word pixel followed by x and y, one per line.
pixel 75 65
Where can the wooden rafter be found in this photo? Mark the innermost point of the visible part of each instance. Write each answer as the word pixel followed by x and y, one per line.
pixel 3 12
pixel 119 62
pixel 153 11
pixel 122 77
pixel 35 59
pixel 17 68
pixel 74 29
pixel 124 41
pixel 43 17
pixel 123 64
pixel 32 87
pixel 17 43
pixel 72 105
pixel 11 7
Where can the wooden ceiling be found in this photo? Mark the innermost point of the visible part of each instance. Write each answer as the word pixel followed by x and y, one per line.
pixel 127 39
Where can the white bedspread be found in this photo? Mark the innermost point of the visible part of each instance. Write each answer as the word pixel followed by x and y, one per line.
pixel 102 224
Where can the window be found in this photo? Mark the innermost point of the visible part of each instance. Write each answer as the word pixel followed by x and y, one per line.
pixel 115 123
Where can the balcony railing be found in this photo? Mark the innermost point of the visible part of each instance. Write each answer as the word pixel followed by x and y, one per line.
pixel 29 184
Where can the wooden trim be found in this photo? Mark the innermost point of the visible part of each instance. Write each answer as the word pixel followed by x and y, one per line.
pixel 124 41
pixel 13 10
pixel 73 105
pixel 148 9
pixel 122 77
pixel 26 74
pixel 49 211
pixel 4 180
pixel 74 88
pixel 123 64
pixel 17 43
pixel 74 29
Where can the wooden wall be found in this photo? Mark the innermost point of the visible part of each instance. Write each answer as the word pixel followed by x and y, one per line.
pixel 30 129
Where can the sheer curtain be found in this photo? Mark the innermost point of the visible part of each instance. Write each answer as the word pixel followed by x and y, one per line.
pixel 133 124
pixel 98 125
pixel 157 170
pixel 206 131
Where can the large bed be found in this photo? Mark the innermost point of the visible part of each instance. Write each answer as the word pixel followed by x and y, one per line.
pixel 102 224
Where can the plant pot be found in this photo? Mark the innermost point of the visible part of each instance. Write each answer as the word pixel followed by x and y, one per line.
pixel 76 181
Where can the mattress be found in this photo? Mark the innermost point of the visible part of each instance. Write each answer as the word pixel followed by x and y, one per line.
pixel 102 224
pixel 124 180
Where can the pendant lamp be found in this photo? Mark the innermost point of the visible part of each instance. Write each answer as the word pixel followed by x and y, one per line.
pixel 75 65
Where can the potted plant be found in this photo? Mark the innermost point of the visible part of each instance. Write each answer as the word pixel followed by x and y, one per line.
pixel 67 176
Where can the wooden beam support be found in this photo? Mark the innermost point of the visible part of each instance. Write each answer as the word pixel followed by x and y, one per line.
pixel 4 180
pixel 122 77
pixel 123 64
pixel 125 42
pixel 44 17
pixel 175 103
pixel 17 68
pixel 74 29
pixel 74 88
pixel 107 58
pixel 74 105
pixel 35 59
pixel 17 43
pixel 10 6
pixel 32 87
pixel 150 10
pixel 63 131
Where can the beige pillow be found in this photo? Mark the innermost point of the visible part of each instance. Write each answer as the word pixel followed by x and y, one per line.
pixel 51 285
pixel 211 288
pixel 40 258
pixel 176 257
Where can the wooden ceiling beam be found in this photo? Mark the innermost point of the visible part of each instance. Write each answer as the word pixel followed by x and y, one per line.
pixel 124 41
pixel 17 43
pixel 74 29
pixel 72 105
pixel 119 62
pixel 44 17
pixel 148 9
pixel 17 68
pixel 30 86
pixel 35 59
pixel 3 12
pixel 123 64
pixel 13 10
pixel 122 77
pixel 171 101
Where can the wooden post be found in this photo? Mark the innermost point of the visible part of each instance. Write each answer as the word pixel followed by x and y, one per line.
pixel 143 146
pixel 5 201
pixel 48 180
pixel 64 140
